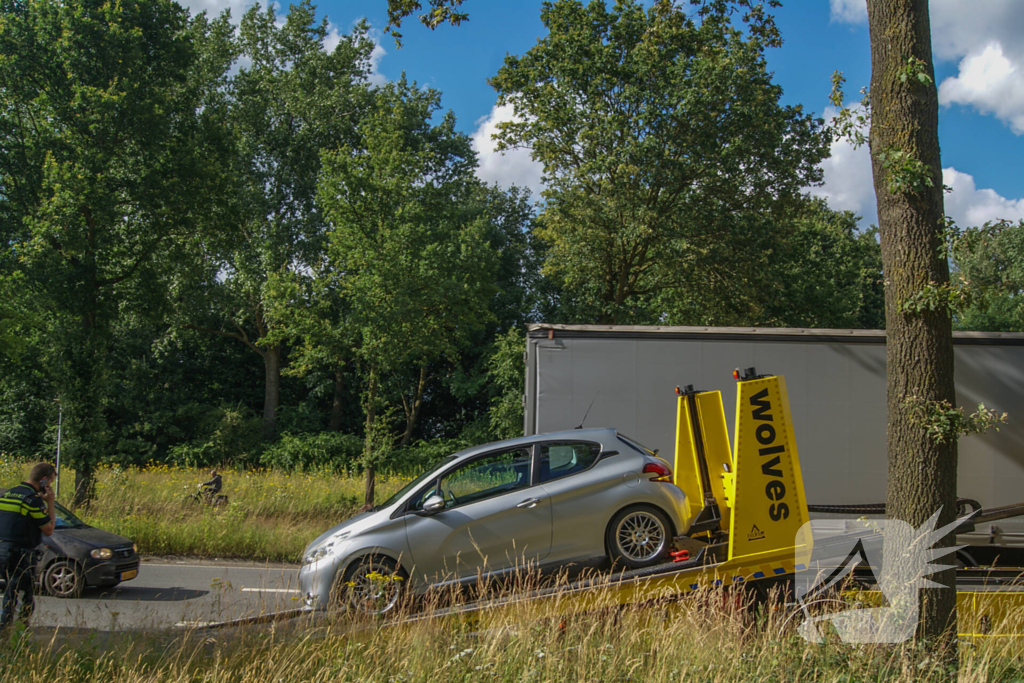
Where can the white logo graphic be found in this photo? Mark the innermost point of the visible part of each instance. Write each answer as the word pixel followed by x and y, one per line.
pixel 899 558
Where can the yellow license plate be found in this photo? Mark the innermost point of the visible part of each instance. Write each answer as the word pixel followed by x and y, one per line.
pixel 129 575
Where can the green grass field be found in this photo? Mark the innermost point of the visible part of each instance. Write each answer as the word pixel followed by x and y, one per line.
pixel 269 516
pixel 705 639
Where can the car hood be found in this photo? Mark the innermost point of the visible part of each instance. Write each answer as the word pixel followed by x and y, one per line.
pixel 352 525
pixel 90 537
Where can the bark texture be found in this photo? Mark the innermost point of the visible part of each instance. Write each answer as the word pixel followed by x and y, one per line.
pixel 904 118
pixel 370 445
pixel 412 410
pixel 338 403
pixel 272 390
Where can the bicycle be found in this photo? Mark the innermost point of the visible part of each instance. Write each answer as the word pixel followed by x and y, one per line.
pixel 205 497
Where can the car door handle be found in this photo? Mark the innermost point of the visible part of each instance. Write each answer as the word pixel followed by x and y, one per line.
pixel 529 503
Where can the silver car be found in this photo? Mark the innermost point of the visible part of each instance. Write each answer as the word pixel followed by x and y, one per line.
pixel 535 501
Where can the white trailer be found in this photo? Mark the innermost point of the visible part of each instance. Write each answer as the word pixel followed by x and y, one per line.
pixel 626 376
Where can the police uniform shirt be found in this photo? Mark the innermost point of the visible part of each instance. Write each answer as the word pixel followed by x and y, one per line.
pixel 22 515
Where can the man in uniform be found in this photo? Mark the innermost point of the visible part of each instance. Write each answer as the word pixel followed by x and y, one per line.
pixel 26 515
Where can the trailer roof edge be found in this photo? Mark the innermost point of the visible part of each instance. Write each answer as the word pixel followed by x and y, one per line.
pixel 785 334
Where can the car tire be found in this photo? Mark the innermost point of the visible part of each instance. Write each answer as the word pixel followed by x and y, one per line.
pixel 63 579
pixel 362 592
pixel 639 537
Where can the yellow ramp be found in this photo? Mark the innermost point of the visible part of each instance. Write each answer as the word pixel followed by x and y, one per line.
pixel 769 505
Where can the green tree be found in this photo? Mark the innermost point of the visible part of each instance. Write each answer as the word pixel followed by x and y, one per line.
pixel 292 99
pixel 990 260
pixel 109 154
pixel 415 262
pixel 824 273
pixel 668 158
pixel 313 314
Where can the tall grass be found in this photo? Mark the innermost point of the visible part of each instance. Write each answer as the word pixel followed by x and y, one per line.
pixel 270 515
pixel 706 638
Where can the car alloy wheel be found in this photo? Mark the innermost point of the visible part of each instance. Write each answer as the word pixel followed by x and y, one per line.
pixel 373 585
pixel 638 537
pixel 62 579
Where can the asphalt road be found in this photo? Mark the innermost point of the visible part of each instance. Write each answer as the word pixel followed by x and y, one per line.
pixel 177 594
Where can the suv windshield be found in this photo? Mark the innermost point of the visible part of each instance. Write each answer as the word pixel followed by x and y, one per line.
pixel 65 519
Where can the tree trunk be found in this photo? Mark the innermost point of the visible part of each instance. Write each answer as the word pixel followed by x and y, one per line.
pixel 337 405
pixel 272 391
pixel 83 482
pixel 919 353
pixel 413 414
pixel 369 444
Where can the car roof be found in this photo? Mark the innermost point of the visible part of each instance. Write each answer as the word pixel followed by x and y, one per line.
pixel 602 435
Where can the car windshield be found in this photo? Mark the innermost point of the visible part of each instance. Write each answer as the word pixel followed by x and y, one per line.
pixel 414 483
pixel 65 519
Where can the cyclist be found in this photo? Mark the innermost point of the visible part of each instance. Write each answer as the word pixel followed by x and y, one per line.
pixel 211 488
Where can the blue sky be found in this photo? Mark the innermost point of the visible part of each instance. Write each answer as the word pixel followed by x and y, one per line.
pixel 979 48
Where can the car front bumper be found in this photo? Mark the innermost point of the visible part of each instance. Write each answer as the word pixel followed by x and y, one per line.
pixel 112 572
pixel 316 580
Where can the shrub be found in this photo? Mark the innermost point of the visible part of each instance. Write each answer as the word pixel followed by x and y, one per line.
pixel 324 451
pixel 231 435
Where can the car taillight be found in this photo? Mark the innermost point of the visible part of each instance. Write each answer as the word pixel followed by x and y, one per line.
pixel 663 472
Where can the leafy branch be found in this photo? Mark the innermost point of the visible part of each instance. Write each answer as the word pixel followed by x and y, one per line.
pixel 941 297
pixel 945 423
pixel 915 70
pixel 957 297
pixel 905 173
pixel 849 123
pixel 439 12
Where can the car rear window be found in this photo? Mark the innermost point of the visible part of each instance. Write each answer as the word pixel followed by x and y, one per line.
pixel 562 458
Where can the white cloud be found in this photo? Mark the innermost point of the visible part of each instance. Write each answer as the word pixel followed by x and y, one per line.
pixel 847 182
pixel 513 167
pixel 985 36
pixel 989 82
pixel 963 27
pixel 849 11
pixel 848 187
pixel 969 206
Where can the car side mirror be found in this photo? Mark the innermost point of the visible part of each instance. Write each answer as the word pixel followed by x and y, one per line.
pixel 433 504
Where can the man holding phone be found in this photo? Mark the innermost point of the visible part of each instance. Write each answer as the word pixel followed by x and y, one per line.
pixel 26 515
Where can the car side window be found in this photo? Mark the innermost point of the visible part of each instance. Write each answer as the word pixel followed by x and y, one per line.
pixel 486 477
pixel 561 458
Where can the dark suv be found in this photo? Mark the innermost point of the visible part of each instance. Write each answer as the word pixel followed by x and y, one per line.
pixel 77 556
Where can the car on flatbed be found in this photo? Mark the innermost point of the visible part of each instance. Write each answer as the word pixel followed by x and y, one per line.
pixel 78 556
pixel 540 501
